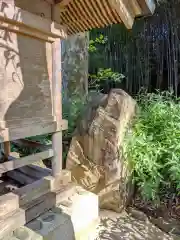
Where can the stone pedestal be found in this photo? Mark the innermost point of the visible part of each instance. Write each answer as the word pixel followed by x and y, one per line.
pixel 76 218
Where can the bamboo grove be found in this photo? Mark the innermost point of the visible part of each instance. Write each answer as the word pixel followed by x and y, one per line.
pixel 148 55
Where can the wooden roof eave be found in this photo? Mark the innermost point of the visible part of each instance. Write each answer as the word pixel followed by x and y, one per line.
pixel 96 13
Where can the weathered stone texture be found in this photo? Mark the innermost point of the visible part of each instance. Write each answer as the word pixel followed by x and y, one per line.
pixel 75 64
pixel 95 156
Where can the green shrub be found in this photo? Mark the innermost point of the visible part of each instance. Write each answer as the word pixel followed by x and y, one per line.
pixel 104 76
pixel 71 111
pixel 153 147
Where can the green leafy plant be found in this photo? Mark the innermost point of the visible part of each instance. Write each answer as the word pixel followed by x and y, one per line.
pixel 105 75
pixel 108 74
pixel 71 111
pixel 98 40
pixel 153 147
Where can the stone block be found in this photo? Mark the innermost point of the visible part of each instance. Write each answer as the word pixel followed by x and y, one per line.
pixel 75 218
pixel 25 233
pixel 96 158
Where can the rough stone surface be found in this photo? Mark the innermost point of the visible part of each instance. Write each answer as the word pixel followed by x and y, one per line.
pixel 75 64
pixel 131 225
pixel 169 225
pixel 95 158
pixel 126 226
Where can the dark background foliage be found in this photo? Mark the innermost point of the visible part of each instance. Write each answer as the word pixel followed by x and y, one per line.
pixel 148 55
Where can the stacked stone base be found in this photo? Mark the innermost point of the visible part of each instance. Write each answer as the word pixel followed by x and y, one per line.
pixel 75 218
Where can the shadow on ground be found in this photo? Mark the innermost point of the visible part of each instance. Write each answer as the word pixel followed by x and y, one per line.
pixel 114 226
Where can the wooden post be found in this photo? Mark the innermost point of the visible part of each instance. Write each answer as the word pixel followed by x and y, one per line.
pixel 7 149
pixel 57 108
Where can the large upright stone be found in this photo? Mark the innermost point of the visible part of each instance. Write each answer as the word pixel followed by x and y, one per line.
pixel 95 155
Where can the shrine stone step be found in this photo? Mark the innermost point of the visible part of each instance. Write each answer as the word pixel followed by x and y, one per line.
pixel 11 222
pixel 8 203
pixel 73 218
pixel 29 202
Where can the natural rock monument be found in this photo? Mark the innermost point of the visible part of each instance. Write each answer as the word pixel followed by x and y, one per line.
pixel 95 157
